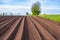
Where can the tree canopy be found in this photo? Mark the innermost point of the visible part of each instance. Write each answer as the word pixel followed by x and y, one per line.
pixel 36 8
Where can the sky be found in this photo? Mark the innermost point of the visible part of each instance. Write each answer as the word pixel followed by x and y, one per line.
pixel 20 7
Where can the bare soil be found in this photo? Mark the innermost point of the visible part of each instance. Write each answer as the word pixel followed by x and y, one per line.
pixel 28 28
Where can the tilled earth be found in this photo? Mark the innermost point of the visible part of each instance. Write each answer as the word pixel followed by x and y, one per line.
pixel 28 28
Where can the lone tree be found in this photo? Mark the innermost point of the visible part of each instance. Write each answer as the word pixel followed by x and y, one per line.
pixel 27 13
pixel 36 8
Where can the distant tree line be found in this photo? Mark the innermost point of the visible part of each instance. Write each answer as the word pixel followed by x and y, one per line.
pixel 6 14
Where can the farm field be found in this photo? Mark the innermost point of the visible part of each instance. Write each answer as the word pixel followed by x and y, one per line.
pixel 28 28
pixel 55 18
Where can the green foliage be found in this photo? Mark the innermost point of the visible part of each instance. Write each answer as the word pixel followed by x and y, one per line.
pixel 55 18
pixel 36 9
pixel 27 13
pixel 44 14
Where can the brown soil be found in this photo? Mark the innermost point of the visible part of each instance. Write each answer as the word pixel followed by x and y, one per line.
pixel 28 28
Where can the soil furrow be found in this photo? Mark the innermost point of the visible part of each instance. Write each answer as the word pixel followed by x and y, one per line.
pixel 49 26
pixel 28 28
pixel 46 35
